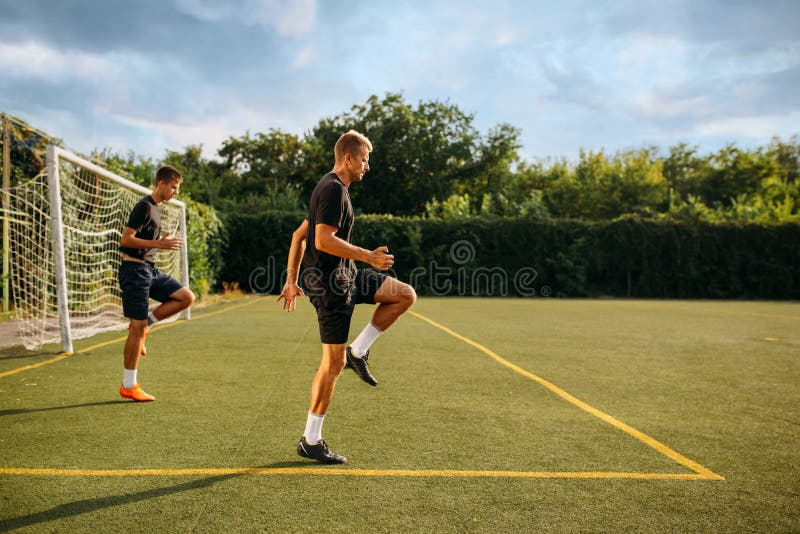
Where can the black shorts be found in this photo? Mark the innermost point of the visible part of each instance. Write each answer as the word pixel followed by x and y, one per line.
pixel 335 308
pixel 141 282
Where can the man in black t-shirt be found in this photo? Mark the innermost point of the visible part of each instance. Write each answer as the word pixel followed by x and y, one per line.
pixel 140 280
pixel 335 286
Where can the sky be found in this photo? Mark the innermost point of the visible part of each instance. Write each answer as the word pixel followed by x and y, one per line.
pixel 154 75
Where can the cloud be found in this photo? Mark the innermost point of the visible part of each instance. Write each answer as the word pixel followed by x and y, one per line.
pixel 215 51
pixel 303 58
pixel 723 98
pixel 166 73
pixel 37 60
pixel 741 27
pixel 178 132
pixel 292 18
pixel 750 128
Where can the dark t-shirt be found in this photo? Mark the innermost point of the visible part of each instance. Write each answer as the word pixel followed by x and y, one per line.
pixel 146 220
pixel 330 204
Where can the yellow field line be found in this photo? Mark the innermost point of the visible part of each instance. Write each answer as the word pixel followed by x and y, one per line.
pixel 700 472
pixel 35 365
pixel 64 355
pixel 349 472
pixel 704 472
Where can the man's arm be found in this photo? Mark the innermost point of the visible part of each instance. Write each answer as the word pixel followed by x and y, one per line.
pixel 129 240
pixel 296 250
pixel 325 239
pixel 290 289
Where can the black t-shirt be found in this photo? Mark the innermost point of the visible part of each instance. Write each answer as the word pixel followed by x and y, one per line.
pixel 330 204
pixel 146 220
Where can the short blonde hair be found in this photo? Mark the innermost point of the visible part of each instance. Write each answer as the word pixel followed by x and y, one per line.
pixel 350 142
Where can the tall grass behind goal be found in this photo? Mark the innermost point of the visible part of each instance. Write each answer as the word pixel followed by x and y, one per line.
pixel 65 232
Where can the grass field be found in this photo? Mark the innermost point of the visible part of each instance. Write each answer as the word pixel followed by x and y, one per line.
pixel 491 415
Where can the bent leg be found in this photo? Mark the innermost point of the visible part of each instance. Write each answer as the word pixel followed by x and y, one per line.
pixel 178 301
pixel 393 298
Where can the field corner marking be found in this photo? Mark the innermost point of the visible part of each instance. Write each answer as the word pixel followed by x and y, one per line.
pixel 702 471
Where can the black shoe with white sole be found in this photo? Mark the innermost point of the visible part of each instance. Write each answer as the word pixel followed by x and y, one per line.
pixel 359 365
pixel 319 452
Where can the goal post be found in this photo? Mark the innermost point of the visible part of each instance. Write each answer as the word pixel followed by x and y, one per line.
pixel 59 265
pixel 65 232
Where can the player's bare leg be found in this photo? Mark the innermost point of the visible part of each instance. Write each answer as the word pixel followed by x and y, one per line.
pixel 324 383
pixel 178 301
pixel 394 298
pixel 133 347
pixel 311 443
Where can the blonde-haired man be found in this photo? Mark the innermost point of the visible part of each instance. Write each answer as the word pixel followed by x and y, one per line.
pixel 335 286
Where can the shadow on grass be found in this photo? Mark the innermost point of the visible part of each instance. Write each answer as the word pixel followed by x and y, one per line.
pixel 19 352
pixel 293 463
pixel 86 506
pixel 84 405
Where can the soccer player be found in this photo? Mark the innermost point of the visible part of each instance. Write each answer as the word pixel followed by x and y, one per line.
pixel 140 280
pixel 335 286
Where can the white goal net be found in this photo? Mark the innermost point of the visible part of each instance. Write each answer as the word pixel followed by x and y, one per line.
pixel 65 231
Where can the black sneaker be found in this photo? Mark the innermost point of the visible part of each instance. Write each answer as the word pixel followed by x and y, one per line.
pixel 359 365
pixel 319 452
pixel 347 360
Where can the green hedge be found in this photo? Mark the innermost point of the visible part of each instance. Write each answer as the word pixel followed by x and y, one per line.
pixel 564 258
pixel 206 239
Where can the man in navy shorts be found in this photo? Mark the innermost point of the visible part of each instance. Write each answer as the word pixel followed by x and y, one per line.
pixel 141 281
pixel 335 286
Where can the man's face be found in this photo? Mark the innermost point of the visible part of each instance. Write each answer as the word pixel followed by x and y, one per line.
pixel 169 190
pixel 358 164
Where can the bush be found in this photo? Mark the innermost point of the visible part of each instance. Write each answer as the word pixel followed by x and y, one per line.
pixel 494 256
pixel 206 238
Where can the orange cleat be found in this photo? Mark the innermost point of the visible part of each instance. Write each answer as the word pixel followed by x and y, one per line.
pixel 136 394
pixel 146 333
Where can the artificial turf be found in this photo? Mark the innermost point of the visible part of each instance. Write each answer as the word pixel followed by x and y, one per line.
pixel 718 382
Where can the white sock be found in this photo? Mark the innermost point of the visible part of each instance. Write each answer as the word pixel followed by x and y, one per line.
pixel 313 431
pixel 151 319
pixel 365 339
pixel 129 378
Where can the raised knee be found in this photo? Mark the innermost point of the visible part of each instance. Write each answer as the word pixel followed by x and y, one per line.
pixel 409 296
pixel 189 298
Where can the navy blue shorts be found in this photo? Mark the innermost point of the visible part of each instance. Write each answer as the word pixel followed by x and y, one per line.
pixel 141 282
pixel 335 308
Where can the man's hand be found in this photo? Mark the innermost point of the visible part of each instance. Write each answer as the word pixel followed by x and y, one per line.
pixel 289 293
pixel 170 243
pixel 381 259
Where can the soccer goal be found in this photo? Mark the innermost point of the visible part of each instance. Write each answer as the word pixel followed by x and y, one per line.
pixel 65 228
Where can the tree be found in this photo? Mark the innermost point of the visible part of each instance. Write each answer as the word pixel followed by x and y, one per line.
pixel 787 156
pixel 734 172
pixel 605 188
pixel 421 153
pixel 207 181
pixel 27 149
pixel 684 170
pixel 493 161
pixel 270 169
pixel 135 168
